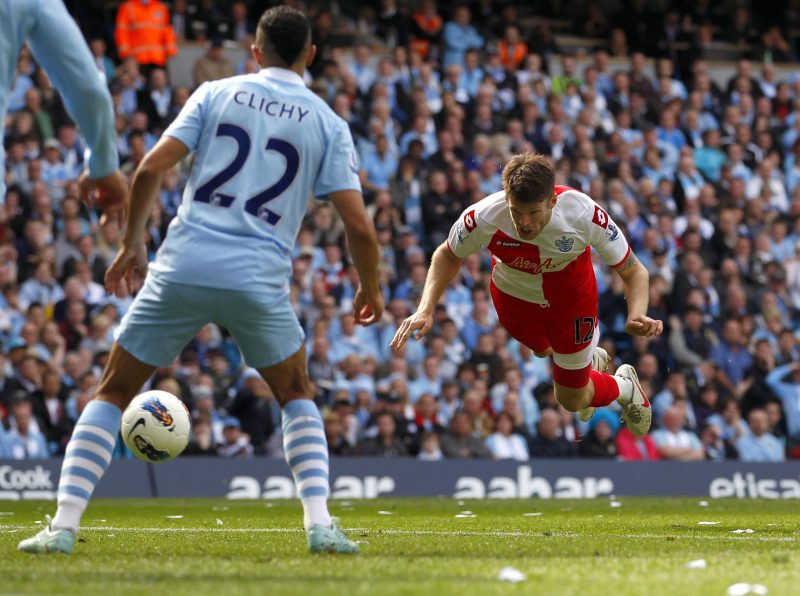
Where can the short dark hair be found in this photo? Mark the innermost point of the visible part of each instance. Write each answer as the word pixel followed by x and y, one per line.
pixel 528 178
pixel 284 32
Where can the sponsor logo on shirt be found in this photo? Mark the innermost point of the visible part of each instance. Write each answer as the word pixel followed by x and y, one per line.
pixel 534 268
pixel 565 244
pixel 511 244
pixel 600 217
pixel 469 220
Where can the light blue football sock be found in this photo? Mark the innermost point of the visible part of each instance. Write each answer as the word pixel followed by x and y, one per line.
pixel 306 450
pixel 86 460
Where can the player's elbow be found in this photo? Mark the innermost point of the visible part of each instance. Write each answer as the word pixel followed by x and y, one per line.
pixel 445 253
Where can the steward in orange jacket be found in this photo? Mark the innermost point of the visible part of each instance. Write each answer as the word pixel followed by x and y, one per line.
pixel 144 32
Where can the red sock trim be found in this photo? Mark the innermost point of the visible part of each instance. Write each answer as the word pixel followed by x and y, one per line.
pixel 606 389
pixel 575 379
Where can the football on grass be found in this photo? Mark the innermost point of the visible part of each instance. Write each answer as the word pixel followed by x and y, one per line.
pixel 155 426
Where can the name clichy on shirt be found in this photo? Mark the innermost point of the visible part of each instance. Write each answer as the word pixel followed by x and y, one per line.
pixel 273 108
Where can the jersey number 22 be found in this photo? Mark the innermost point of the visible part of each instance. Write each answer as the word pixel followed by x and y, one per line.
pixel 257 204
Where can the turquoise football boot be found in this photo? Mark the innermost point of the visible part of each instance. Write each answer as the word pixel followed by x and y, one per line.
pixel 330 540
pixel 49 541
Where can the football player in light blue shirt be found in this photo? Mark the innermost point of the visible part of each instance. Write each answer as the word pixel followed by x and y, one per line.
pixel 262 143
pixel 57 44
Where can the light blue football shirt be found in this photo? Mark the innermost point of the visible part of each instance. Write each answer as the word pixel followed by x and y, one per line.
pixel 263 144
pixel 57 44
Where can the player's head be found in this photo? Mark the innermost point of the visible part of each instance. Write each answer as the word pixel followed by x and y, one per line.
pixel 528 180
pixel 283 38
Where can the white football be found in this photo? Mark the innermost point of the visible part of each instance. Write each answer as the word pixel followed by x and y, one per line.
pixel 155 426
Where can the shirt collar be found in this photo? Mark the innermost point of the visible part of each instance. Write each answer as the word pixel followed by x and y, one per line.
pixel 283 74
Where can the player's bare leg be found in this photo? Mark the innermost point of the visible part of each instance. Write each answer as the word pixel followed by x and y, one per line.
pixel 306 451
pixel 600 362
pixel 89 451
pixel 585 389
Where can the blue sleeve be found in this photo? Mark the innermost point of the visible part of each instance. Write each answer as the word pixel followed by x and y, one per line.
pixel 188 126
pixel 743 447
pixel 453 38
pixel 339 168
pixel 695 441
pixel 58 46
pixel 775 380
pixel 475 39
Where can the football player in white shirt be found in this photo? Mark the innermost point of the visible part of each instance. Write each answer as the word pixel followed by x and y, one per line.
pixel 543 284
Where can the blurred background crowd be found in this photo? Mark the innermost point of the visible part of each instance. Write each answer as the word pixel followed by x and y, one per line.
pixel 701 174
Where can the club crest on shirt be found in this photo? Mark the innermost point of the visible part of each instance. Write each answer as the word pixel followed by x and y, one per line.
pixel 353 162
pixel 564 244
pixel 460 232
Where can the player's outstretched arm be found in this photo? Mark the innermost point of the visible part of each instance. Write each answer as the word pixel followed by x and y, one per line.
pixel 129 268
pixel 362 243
pixel 58 45
pixel 444 267
pixel 637 291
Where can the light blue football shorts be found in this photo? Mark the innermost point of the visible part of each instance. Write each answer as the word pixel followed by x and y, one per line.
pixel 165 316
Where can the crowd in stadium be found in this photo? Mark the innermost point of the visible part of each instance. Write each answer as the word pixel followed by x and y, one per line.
pixel 704 179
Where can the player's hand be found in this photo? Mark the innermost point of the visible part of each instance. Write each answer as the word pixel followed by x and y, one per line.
pixel 126 274
pixel 367 306
pixel 109 193
pixel 644 326
pixel 417 325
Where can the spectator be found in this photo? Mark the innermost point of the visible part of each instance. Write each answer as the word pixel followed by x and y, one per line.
pixel 334 433
pixel 633 448
pixel 504 443
pixel 730 421
pixel 201 441
pixel 42 288
pixel 386 443
pixel 459 36
pixel 599 441
pixel 460 441
pixel 731 357
pixel 252 405
pixel 23 439
pixel 785 382
pixel 430 448
pixel 549 442
pixel 213 65
pixel 711 440
pixel 104 64
pixel 675 443
pixel 144 32
pixel 759 444
pixel 234 442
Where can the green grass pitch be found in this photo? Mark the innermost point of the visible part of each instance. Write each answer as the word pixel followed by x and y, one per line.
pixel 411 546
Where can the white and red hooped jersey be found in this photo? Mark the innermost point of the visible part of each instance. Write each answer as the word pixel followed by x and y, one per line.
pixel 554 270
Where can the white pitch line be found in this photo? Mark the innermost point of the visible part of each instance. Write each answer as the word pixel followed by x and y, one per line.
pixel 11 529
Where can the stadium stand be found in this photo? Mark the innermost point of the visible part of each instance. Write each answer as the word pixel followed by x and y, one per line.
pixel 633 105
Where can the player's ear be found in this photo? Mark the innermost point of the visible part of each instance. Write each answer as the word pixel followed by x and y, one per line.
pixel 256 51
pixel 553 200
pixel 312 52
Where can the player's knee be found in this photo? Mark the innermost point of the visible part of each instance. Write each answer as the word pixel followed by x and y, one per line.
pixel 571 398
pixel 298 387
pixel 119 398
pixel 569 402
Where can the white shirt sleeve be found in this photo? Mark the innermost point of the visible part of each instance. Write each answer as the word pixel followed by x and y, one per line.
pixel 467 235
pixel 606 238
